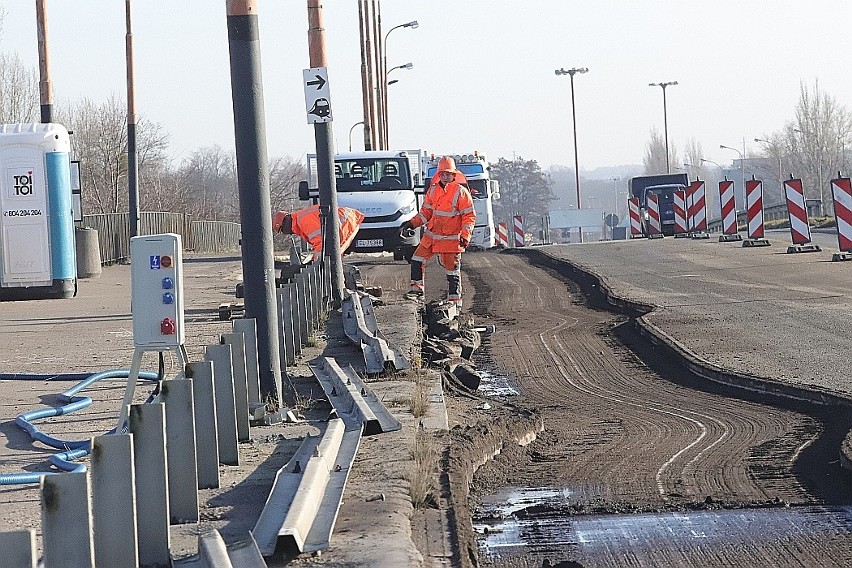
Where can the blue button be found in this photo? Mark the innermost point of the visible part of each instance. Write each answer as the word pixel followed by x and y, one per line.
pixel 168 283
pixel 168 298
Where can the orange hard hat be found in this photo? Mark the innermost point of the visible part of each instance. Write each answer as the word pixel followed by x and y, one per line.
pixel 447 164
pixel 278 221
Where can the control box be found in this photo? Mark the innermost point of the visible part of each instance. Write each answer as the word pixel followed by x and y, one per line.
pixel 156 275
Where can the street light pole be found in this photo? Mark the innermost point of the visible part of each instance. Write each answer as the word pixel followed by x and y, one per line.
pixel 742 171
pixel 665 117
pixel 571 73
pixel 780 165
pixel 350 133
pixel 384 99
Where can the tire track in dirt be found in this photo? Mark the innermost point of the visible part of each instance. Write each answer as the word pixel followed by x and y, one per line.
pixel 614 428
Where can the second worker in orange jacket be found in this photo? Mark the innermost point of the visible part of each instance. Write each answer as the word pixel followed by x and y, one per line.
pixel 447 212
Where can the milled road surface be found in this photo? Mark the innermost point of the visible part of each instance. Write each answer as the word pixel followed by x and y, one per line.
pixel 630 435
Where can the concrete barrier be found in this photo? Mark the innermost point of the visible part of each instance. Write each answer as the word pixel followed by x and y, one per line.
pixel 206 436
pixel 226 414
pixel 147 423
pixel 238 367
pixel 114 501
pixel 66 520
pixel 248 327
pixel 88 253
pixel 18 549
pixel 181 456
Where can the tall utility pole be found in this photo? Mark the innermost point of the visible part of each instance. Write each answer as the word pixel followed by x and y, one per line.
pixel 325 161
pixel 381 118
pixel 365 84
pixel 132 157
pixel 665 118
pixel 253 187
pixel 371 77
pixel 45 87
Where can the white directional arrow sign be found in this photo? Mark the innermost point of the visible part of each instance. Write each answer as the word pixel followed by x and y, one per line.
pixel 317 96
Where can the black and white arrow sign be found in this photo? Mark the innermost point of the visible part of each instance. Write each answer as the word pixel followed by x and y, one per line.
pixel 317 95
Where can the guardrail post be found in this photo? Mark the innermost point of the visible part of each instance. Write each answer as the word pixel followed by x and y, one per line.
pixel 248 327
pixel 316 294
pixel 226 414
pixel 296 332
pixel 176 394
pixel 285 319
pixel 303 303
pixel 114 501
pixel 204 406
pixel 66 520
pixel 238 366
pixel 147 423
pixel 18 549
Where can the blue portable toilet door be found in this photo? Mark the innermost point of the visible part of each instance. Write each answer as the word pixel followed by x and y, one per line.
pixel 24 228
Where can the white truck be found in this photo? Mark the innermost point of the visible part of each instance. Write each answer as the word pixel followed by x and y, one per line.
pixel 386 186
pixel 483 189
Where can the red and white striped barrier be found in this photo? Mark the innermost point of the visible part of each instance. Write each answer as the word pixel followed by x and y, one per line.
pixel 729 210
pixel 502 234
pixel 679 206
pixel 697 207
pixel 519 230
pixel 654 224
pixel 800 230
pixel 841 191
pixel 635 220
pixel 754 204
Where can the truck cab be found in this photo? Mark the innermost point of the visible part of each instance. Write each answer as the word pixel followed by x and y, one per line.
pixel 663 186
pixel 386 186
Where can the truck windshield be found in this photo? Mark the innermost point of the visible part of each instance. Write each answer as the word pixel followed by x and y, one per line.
pixel 478 188
pixel 372 174
pixel 663 195
pixel 466 169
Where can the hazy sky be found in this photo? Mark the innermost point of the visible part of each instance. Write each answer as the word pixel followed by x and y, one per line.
pixel 483 74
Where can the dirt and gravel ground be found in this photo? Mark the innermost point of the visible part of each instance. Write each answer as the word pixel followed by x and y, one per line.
pixel 604 419
pixel 630 435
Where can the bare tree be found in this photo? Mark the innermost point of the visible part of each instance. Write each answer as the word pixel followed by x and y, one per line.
pixel 100 143
pixel 210 178
pixel 19 99
pixel 285 174
pixel 655 154
pixel 816 141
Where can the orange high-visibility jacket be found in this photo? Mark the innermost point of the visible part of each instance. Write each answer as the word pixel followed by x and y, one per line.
pixel 448 214
pixel 308 226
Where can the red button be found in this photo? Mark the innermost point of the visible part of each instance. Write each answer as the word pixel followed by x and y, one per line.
pixel 166 261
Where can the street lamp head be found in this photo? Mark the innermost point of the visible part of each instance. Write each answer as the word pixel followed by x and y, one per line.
pixel 408 66
pixel 392 81
pixel 412 24
pixel 572 71
pixel 663 85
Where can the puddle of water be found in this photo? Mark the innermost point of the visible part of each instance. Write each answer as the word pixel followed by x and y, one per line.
pixel 495 386
pixel 542 528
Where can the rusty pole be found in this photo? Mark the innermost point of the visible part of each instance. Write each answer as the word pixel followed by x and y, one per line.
pixel 381 121
pixel 253 187
pixel 45 87
pixel 371 92
pixel 132 156
pixel 325 161
pixel 365 86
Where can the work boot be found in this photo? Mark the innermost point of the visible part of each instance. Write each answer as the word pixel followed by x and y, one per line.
pixel 415 291
pixel 454 289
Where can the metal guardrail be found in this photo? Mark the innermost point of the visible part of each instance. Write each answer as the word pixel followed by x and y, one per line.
pixel 773 213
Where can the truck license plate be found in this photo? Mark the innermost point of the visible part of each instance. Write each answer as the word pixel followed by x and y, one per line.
pixel 369 243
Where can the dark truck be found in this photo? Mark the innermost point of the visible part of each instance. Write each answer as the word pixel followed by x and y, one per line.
pixel 664 186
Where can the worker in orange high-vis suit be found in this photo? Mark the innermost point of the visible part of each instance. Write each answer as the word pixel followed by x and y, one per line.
pixel 449 217
pixel 307 225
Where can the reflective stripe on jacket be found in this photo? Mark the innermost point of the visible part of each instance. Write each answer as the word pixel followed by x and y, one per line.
pixel 448 214
pixel 308 226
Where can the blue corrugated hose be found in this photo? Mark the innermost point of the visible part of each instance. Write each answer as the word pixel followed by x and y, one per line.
pixel 72 450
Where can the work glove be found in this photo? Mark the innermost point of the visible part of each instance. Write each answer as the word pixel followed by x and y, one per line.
pixel 463 242
pixel 407 226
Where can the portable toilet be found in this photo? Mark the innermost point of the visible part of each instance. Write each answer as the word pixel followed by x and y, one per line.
pixel 37 255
